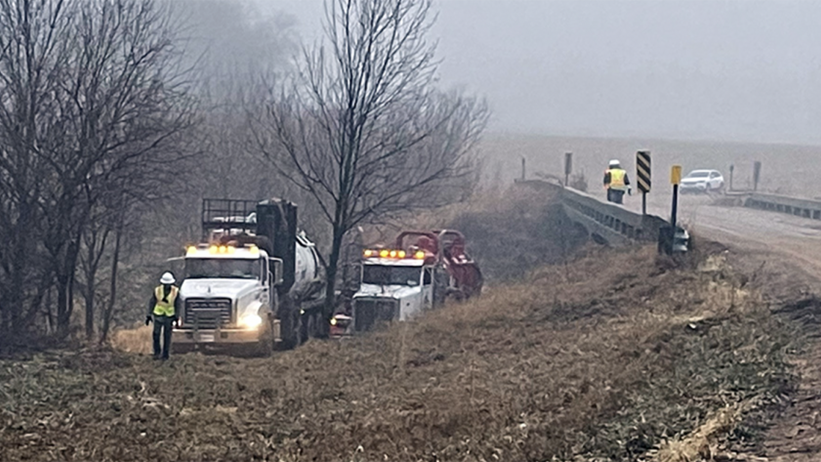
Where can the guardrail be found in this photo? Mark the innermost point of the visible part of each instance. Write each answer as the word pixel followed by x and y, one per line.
pixel 604 221
pixel 619 225
pixel 794 206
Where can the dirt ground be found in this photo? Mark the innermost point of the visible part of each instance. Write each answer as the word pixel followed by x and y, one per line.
pixel 619 355
pixel 605 355
pixel 787 274
pixel 780 252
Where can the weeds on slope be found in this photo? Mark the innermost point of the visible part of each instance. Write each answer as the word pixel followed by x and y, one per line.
pixel 605 358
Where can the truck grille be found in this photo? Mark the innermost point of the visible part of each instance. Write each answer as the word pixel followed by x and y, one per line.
pixel 207 313
pixel 369 311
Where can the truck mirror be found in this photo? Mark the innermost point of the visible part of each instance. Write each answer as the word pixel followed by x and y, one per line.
pixel 276 271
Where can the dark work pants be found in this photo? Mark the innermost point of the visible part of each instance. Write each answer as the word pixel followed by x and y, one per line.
pixel 162 326
pixel 615 195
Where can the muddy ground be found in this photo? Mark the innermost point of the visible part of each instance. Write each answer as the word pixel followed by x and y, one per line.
pixel 618 355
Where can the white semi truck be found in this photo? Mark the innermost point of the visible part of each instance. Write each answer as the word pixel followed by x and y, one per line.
pixel 417 273
pixel 253 283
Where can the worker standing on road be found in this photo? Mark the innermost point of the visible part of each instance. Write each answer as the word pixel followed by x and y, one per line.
pixel 162 309
pixel 616 182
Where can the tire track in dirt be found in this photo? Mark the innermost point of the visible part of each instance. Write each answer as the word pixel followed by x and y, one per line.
pixel 783 255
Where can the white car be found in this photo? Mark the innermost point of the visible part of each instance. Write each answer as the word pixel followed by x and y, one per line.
pixel 702 181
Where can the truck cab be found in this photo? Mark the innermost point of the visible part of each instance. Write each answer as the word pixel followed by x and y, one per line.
pixel 253 281
pixel 392 288
pixel 228 296
pixel 418 272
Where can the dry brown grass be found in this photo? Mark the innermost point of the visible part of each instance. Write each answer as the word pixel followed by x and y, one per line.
pixel 700 445
pixel 136 340
pixel 603 360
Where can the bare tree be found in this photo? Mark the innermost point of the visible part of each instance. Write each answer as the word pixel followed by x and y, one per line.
pixel 32 59
pixel 92 111
pixel 362 127
pixel 128 107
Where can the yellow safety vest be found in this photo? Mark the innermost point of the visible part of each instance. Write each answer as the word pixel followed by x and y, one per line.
pixel 162 308
pixel 617 179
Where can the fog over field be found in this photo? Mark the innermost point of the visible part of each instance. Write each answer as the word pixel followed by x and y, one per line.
pixel 674 69
pixel 786 169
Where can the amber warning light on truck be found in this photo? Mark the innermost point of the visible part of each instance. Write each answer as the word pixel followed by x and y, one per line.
pixel 220 249
pixel 387 253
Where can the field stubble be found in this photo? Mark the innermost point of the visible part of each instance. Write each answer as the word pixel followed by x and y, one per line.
pixel 618 355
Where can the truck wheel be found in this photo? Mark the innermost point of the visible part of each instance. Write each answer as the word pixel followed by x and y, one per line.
pixel 265 345
pixel 289 327
pixel 287 331
pixel 310 323
pixel 299 337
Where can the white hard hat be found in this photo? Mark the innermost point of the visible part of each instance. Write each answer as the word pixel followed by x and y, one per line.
pixel 167 278
pixel 614 162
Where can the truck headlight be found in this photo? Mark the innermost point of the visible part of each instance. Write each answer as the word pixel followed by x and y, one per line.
pixel 251 321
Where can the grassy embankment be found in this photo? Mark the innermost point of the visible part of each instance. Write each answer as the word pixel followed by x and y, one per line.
pixel 610 357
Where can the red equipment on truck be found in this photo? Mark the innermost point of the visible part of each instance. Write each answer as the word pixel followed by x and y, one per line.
pixel 419 272
pixel 448 249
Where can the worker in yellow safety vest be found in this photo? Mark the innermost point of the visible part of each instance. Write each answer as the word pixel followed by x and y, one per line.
pixel 616 182
pixel 162 310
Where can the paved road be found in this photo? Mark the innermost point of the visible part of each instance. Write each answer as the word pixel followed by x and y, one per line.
pixel 798 238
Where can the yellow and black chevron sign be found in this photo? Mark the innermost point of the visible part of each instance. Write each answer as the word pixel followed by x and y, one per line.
pixel 643 170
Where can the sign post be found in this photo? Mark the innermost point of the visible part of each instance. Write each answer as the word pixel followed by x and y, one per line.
pixel 732 167
pixel 643 177
pixel 675 180
pixel 673 239
pixel 756 174
pixel 568 167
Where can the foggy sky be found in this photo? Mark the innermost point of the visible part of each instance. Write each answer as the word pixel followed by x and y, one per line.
pixel 721 70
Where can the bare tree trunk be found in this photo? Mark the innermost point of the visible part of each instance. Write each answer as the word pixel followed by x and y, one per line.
pixel 95 243
pixel 330 283
pixel 109 311
pixel 19 264
pixel 89 296
pixel 49 313
pixel 36 305
pixel 70 296
pixel 65 290
pixel 63 316
pixel 90 276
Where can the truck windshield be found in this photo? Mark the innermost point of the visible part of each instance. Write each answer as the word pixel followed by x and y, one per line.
pixel 198 268
pixel 391 275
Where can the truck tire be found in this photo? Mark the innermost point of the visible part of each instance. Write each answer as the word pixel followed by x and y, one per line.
pixel 299 329
pixel 289 324
pixel 310 325
pixel 265 346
